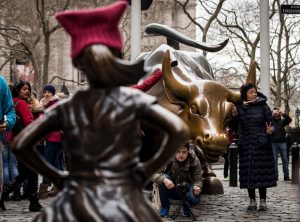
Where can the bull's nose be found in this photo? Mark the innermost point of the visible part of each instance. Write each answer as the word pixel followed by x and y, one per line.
pixel 213 143
pixel 207 137
pixel 215 138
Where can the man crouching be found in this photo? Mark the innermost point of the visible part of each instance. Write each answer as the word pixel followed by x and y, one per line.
pixel 181 179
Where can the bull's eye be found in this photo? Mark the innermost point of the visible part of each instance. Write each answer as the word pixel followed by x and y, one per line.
pixel 194 109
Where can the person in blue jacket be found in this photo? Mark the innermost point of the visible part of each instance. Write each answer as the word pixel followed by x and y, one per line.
pixel 7 121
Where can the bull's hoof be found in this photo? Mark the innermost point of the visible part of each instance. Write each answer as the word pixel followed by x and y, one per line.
pixel 212 185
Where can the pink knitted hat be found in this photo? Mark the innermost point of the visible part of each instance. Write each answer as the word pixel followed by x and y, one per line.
pixel 94 26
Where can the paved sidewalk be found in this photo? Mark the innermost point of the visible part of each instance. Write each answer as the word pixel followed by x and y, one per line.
pixel 283 202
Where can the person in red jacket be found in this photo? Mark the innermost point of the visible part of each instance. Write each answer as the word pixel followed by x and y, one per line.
pixel 21 93
pixel 54 152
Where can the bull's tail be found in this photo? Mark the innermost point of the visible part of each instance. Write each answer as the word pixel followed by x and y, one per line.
pixel 176 37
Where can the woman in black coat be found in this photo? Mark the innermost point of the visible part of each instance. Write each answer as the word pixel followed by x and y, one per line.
pixel 252 118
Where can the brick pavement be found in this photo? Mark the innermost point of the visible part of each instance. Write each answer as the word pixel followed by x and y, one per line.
pixel 283 201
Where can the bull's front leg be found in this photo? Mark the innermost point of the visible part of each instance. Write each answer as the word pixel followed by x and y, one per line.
pixel 211 184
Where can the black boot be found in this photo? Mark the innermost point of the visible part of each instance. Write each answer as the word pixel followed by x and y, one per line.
pixel 16 196
pixel 5 195
pixel 34 205
pixel 2 205
pixel 13 187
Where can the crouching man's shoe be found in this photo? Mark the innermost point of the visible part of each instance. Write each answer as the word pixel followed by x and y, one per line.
pixel 287 179
pixel 252 205
pixel 263 205
pixel 164 212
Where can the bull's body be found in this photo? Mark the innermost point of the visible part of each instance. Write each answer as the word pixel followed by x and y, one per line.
pixel 190 91
pixel 204 103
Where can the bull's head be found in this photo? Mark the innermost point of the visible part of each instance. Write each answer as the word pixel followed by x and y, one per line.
pixel 205 107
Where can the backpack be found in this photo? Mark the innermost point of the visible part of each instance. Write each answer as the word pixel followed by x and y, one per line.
pixel 19 124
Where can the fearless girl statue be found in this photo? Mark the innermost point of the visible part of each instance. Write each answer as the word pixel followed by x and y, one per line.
pixel 101 125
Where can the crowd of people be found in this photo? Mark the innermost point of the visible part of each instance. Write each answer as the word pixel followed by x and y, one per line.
pixel 20 108
pixel 95 172
pixel 261 136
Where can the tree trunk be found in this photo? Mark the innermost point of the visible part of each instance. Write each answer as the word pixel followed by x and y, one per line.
pixel 46 58
pixel 278 63
pixel 37 76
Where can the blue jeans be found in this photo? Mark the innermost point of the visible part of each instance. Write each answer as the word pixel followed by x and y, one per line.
pixel 281 147
pixel 166 194
pixel 54 154
pixel 10 169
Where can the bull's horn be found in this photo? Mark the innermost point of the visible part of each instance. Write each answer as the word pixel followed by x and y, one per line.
pixel 251 78
pixel 173 87
pixel 170 33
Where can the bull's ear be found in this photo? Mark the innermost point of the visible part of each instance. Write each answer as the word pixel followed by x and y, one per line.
pixel 233 96
pixel 251 78
pixel 173 98
pixel 175 89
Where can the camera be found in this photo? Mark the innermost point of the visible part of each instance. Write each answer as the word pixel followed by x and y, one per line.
pixel 183 187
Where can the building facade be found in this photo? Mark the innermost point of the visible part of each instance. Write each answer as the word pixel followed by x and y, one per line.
pixel 61 69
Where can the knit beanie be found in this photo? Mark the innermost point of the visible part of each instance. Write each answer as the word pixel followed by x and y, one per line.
pixel 49 88
pixel 93 26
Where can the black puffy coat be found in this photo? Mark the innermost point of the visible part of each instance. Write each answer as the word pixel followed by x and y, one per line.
pixel 256 161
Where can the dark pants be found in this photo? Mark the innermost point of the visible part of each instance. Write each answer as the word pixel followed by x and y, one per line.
pixel 54 155
pixel 32 178
pixel 167 194
pixel 282 149
pixel 262 193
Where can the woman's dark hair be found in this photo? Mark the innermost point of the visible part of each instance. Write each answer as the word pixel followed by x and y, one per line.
pixel 104 69
pixel 244 89
pixel 17 88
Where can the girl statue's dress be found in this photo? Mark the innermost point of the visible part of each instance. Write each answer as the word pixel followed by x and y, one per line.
pixel 102 136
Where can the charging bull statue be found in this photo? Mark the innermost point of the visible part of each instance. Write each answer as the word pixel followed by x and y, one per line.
pixel 189 90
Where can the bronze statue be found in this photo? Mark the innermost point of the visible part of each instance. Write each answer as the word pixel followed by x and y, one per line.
pixel 190 91
pixel 101 128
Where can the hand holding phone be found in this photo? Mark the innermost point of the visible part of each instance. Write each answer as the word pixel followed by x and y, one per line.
pixel 2 125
